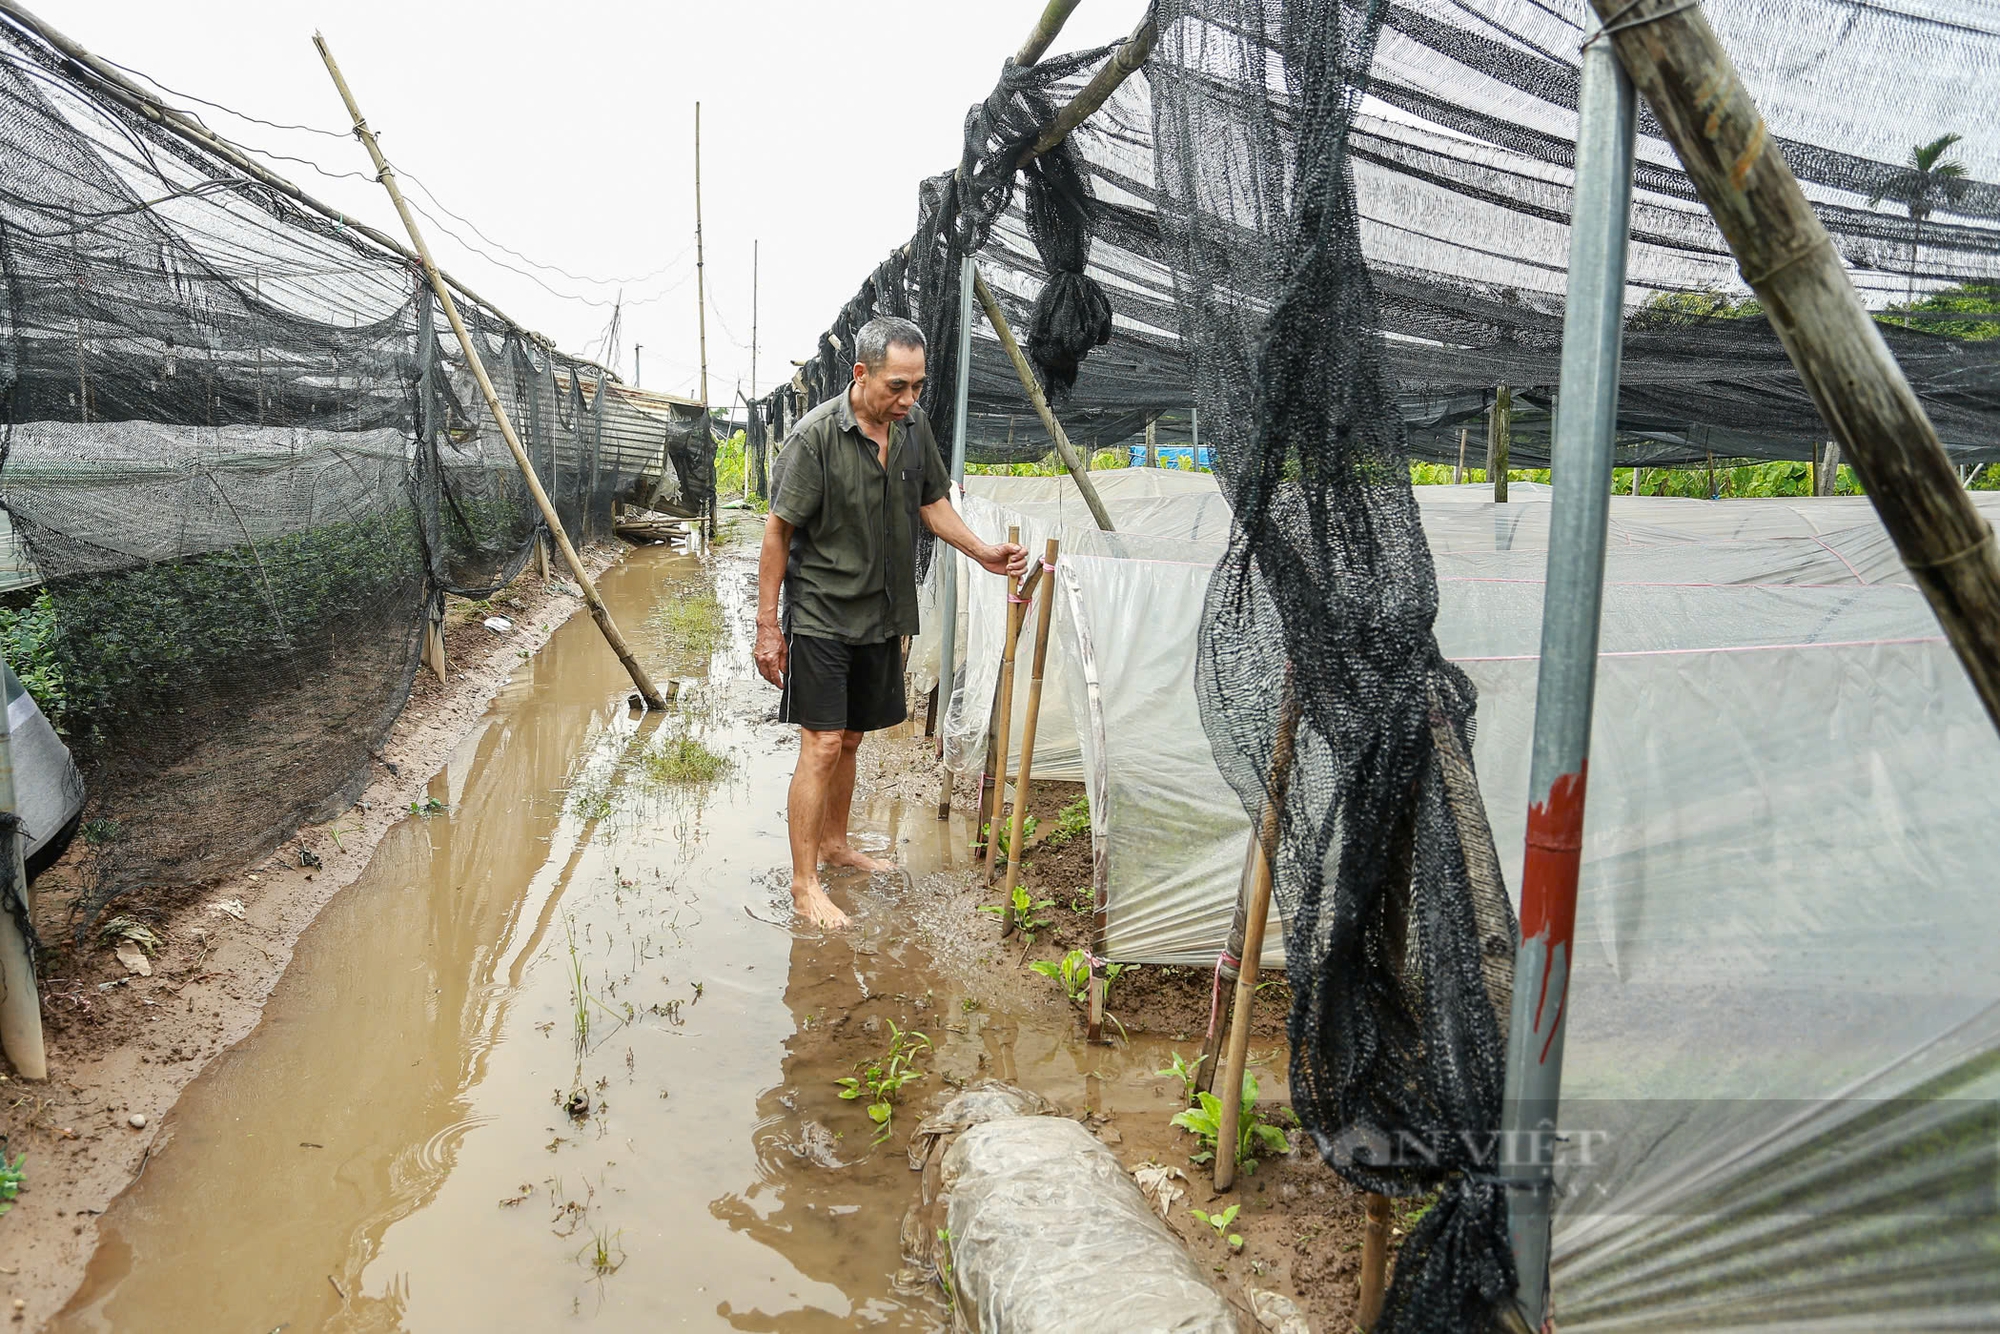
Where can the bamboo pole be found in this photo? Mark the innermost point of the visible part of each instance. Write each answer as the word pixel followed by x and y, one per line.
pixel 1129 56
pixel 598 611
pixel 1374 1261
pixel 1015 831
pixel 1458 473
pixel 1263 852
pixel 1044 34
pixel 1035 396
pixel 1003 711
pixel 1153 441
pixel 1789 261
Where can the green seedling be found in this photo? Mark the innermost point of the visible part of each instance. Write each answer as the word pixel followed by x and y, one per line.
pixel 11 1176
pixel 428 806
pixel 1072 974
pixel 606 1254
pixel 1023 907
pixel 881 1081
pixel 1254 1134
pixel 1186 1071
pixel 1004 853
pixel 682 759
pixel 946 1276
pixel 1073 821
pixel 1220 1222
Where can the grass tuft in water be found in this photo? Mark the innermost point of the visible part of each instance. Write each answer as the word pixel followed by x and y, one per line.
pixel 682 759
pixel 690 627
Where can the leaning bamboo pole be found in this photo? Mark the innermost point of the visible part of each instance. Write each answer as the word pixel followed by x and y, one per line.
pixel 1003 711
pixel 598 611
pixel 1015 831
pixel 1263 854
pixel 1026 374
pixel 1054 15
pixel 1129 56
pixel 1789 261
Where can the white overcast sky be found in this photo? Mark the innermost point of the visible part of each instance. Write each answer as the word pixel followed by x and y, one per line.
pixel 565 131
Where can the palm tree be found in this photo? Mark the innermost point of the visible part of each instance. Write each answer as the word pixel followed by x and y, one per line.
pixel 1927 182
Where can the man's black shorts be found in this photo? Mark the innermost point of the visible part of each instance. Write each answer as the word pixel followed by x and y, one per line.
pixel 836 687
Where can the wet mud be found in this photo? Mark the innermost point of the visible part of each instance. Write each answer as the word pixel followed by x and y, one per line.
pixel 559 1056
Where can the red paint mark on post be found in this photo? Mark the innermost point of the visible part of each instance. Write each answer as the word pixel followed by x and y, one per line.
pixel 1548 884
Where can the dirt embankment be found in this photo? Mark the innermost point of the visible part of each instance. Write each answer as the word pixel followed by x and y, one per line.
pixel 1301 1225
pixel 123 1045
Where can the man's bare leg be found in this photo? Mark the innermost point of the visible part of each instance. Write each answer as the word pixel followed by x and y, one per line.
pixel 834 849
pixel 805 814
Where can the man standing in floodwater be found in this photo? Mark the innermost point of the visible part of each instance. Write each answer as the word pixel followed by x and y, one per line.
pixel 850 484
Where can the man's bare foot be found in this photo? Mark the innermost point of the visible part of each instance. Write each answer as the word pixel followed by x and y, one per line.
pixel 845 855
pixel 810 902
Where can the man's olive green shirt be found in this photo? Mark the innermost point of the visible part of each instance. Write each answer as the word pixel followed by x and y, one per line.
pixel 852 575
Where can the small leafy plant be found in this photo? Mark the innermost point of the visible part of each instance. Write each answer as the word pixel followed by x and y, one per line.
pixel 428 806
pixel 1220 1222
pixel 1186 1071
pixel 1073 821
pixel 1072 974
pixel 1254 1134
pixel 1004 852
pixel 11 1176
pixel 882 1080
pixel 1023 907
pixel 946 1278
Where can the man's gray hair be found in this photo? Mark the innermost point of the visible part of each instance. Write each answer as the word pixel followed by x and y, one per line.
pixel 872 344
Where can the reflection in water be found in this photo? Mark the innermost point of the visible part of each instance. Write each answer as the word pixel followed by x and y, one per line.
pixel 389 1150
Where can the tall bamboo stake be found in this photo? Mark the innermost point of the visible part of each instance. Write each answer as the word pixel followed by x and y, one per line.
pixel 1003 710
pixel 1374 1260
pixel 1787 258
pixel 1015 831
pixel 1026 374
pixel 598 611
pixel 1264 852
pixel 1054 15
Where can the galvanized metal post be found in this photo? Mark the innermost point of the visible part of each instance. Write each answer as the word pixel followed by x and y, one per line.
pixel 948 574
pixel 1593 328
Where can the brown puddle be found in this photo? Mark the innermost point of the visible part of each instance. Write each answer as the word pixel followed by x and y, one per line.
pixel 389 1150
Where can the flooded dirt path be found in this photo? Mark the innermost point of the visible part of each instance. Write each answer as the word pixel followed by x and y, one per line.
pixel 394 1149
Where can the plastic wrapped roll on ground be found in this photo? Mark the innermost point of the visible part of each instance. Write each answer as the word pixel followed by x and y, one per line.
pixel 1047 1233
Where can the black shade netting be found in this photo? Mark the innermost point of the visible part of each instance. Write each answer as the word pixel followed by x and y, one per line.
pixel 246 467
pixel 1326 599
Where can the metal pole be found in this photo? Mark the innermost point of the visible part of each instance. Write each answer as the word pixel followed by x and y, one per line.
pixel 948 574
pixel 1194 438
pixel 637 348
pixel 20 1001
pixel 750 405
pixel 1593 328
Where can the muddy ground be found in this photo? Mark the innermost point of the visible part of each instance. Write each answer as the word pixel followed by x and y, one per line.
pixel 1301 1224
pixel 122 1046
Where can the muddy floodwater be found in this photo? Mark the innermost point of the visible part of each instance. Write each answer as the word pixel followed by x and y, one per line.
pixel 582 926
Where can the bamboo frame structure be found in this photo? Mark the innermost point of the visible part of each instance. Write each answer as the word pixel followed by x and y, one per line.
pixel 1788 260
pixel 598 611
pixel 1023 775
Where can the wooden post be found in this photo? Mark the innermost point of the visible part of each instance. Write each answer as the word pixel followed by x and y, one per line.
pixel 1829 475
pixel 1374 1261
pixel 598 611
pixel 1153 441
pixel 1026 373
pixel 1458 473
pixel 542 559
pixel 1264 852
pixel 1015 830
pixel 1046 27
pixel 1711 474
pixel 1499 437
pixel 1003 710
pixel 1789 261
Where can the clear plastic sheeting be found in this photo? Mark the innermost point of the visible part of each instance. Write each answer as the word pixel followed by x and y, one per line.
pixel 1784 1028
pixel 1049 1236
